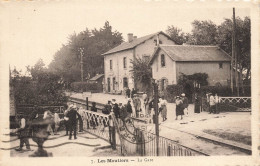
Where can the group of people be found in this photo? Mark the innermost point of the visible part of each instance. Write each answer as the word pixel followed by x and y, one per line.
pixel 182 104
pixel 212 102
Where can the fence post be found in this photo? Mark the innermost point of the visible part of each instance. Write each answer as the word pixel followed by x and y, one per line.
pixel 87 103
pixel 169 150
pixel 143 143
pixel 112 131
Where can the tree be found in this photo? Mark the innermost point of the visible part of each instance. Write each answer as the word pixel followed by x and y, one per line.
pixel 176 34
pixel 95 42
pixel 243 36
pixel 42 87
pixel 142 74
pixel 203 33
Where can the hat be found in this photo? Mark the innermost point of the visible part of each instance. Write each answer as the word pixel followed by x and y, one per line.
pixel 177 97
pixel 71 106
pixel 113 101
pixel 183 94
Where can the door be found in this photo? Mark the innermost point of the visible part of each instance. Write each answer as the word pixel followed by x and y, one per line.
pixel 114 83
pixel 108 84
pixel 125 82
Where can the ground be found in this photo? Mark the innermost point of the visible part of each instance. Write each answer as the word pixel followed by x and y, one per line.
pixel 86 145
pixel 219 127
pixel 194 131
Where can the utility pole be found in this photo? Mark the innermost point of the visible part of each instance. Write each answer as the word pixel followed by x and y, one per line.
pixel 155 104
pixel 234 49
pixel 81 63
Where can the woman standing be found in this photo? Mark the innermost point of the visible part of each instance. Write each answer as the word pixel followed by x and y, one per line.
pixel 163 104
pixel 197 104
pixel 179 107
pixel 48 116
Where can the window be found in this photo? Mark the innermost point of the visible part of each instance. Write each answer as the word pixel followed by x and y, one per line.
pixel 164 83
pixel 155 41
pixel 220 65
pixel 125 82
pixel 124 62
pixel 162 60
pixel 114 83
pixel 111 64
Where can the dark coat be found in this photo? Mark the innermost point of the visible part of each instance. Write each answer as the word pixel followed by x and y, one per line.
pixel 73 115
pixel 129 108
pixel 116 110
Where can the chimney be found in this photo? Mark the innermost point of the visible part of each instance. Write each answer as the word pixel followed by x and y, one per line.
pixel 130 37
pixel 135 37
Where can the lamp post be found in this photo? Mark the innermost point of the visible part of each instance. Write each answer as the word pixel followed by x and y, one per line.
pixel 155 104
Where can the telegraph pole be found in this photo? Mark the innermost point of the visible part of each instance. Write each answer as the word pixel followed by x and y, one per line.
pixel 234 50
pixel 81 64
pixel 155 103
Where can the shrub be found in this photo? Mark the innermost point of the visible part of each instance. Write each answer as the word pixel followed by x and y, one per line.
pixel 172 91
pixel 85 87
pixel 224 90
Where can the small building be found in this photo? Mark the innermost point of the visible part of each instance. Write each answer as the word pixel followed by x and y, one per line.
pixel 99 80
pixel 117 61
pixel 169 61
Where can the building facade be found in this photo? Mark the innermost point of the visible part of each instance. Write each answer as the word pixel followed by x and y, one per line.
pixel 117 61
pixel 169 61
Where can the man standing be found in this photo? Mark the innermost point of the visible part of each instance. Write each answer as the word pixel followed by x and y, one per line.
pixel 129 108
pixel 80 118
pixel 57 122
pixel 137 105
pixel 115 108
pixel 211 103
pixel 23 134
pixel 185 103
pixel 128 92
pixel 72 115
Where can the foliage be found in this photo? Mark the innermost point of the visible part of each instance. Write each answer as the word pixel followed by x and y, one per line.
pixel 243 36
pixel 66 61
pixel 142 73
pixel 172 91
pixel 85 87
pixel 199 78
pixel 223 90
pixel 176 34
pixel 42 88
pixel 203 33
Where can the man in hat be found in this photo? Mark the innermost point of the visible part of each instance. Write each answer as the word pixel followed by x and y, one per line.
pixel 129 108
pixel 115 108
pixel 72 115
pixel 185 103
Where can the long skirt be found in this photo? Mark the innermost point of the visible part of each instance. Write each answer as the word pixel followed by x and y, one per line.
pixel 197 108
pixel 179 110
pixel 164 111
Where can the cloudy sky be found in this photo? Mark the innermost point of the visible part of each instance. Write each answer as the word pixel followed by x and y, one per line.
pixel 33 30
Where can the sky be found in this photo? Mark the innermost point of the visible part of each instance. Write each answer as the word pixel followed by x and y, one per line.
pixel 33 30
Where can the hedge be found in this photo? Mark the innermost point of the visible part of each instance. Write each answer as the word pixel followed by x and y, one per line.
pixel 85 87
